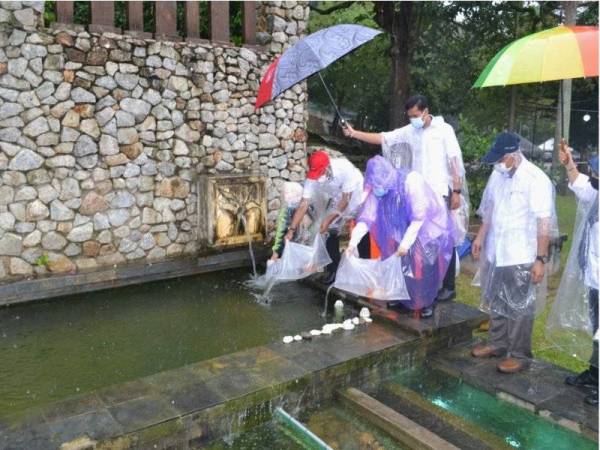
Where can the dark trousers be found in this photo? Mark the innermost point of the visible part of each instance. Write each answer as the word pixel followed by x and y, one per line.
pixel 593 309
pixel 332 243
pixel 450 278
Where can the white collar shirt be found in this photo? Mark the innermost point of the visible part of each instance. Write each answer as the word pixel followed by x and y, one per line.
pixel 511 208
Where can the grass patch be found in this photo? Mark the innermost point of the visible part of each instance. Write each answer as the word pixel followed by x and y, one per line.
pixel 566 207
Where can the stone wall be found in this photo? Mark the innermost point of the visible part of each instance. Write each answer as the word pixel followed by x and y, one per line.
pixel 102 137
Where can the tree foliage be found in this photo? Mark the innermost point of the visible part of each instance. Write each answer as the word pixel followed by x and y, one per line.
pixel 451 42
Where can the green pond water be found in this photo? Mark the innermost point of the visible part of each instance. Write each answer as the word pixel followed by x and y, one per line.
pixel 70 345
pixel 518 427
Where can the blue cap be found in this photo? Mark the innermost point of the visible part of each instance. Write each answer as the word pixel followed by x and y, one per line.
pixel 593 162
pixel 504 143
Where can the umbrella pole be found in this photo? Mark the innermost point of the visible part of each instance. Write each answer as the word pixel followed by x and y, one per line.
pixel 332 100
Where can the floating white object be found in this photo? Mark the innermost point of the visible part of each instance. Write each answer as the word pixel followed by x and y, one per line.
pixel 315 332
pixel 297 337
pixel 368 320
pixel 348 326
pixel 355 320
pixel 288 339
pixel 326 330
pixel 338 304
pixel 364 312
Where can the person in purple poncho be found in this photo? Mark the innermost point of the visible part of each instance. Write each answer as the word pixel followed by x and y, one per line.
pixel 410 221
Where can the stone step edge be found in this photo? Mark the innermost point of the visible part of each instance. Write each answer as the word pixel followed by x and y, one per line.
pixel 546 414
pixel 395 424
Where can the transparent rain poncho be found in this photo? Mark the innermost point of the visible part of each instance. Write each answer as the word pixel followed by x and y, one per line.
pixel 569 324
pixel 407 148
pixel 517 211
pixel 408 214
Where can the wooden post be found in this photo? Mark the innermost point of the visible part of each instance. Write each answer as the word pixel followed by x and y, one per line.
pixel 64 12
pixel 103 17
pixel 135 16
pixel 219 21
pixel 192 19
pixel 249 22
pixel 166 20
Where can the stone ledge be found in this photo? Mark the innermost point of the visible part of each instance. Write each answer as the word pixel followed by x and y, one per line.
pixel 134 273
pixel 540 388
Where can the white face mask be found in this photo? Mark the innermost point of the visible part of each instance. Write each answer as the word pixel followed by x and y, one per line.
pixel 417 122
pixel 502 168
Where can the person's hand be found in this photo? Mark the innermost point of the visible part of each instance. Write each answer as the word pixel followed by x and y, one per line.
pixel 476 247
pixel 274 256
pixel 455 200
pixel 348 130
pixel 401 251
pixel 289 235
pixel 324 227
pixel 537 272
pixel 564 154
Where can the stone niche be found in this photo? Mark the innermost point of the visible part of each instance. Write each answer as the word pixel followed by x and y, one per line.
pixel 233 209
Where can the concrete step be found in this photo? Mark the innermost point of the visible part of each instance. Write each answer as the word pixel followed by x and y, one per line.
pixel 398 426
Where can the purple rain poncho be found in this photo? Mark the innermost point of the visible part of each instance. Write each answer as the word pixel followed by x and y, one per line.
pixel 412 215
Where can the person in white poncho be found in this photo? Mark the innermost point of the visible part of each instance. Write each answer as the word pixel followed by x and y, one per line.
pixel 518 221
pixel 573 319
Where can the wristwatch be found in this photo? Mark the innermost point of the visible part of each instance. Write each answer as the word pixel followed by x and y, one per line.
pixel 542 259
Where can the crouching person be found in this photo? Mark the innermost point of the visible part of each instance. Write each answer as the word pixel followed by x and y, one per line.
pixel 341 182
pixel 518 221
pixel 291 196
pixel 410 221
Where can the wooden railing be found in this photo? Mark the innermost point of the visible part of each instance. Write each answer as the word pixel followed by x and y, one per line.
pixel 165 19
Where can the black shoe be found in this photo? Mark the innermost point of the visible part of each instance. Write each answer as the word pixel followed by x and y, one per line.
pixel 328 278
pixel 585 379
pixel 445 295
pixel 592 397
pixel 426 312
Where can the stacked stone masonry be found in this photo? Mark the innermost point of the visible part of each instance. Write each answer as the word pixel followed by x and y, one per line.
pixel 103 136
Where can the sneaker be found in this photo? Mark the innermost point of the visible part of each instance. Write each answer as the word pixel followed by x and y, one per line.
pixel 445 295
pixel 426 312
pixel 584 379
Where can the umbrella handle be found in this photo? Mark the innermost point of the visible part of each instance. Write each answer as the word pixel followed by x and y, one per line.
pixel 342 120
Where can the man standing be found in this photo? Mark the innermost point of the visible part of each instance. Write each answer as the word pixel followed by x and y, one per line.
pixel 428 146
pixel 518 221
pixel 575 309
pixel 340 181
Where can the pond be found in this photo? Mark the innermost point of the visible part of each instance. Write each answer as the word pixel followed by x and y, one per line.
pixel 67 346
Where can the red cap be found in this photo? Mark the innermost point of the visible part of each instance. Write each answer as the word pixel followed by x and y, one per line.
pixel 317 165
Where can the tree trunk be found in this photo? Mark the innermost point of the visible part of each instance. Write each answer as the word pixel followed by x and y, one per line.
pixel 397 19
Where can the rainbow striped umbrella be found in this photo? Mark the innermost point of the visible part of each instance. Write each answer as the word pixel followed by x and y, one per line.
pixel 556 54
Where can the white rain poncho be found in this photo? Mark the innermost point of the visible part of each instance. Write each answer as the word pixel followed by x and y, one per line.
pixel 516 211
pixel 434 152
pixel 569 324
pixel 298 261
pixel 372 278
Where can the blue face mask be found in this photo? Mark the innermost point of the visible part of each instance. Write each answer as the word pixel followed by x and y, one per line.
pixel 379 192
pixel 417 122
